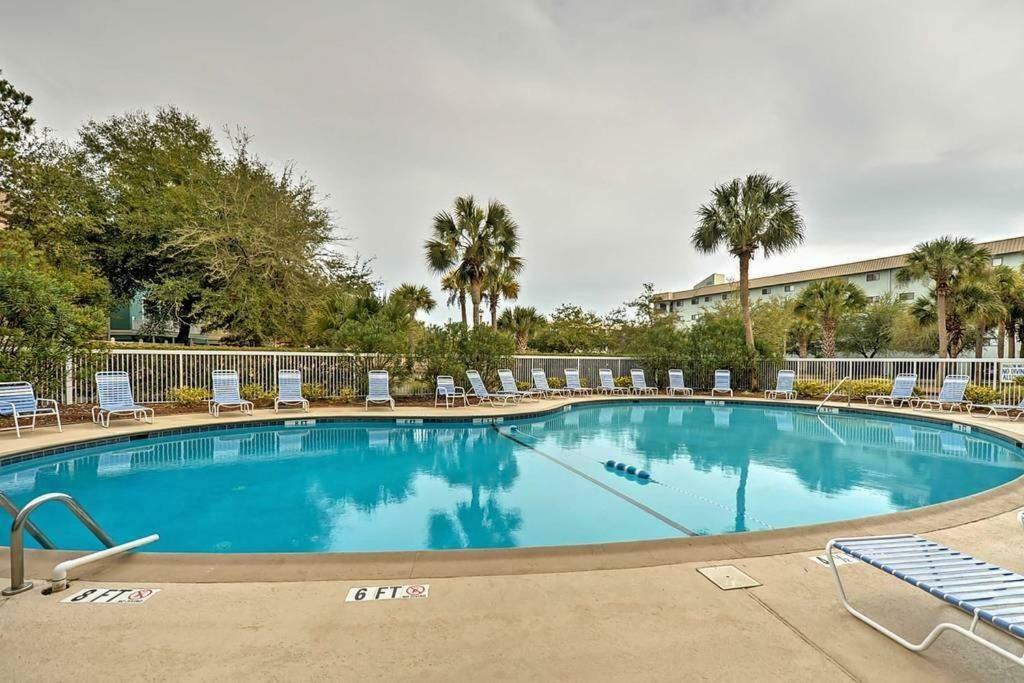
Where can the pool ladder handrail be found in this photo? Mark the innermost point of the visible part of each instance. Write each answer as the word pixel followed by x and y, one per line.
pixel 829 395
pixel 30 526
pixel 21 520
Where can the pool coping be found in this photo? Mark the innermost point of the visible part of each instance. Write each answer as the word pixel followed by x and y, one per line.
pixel 273 567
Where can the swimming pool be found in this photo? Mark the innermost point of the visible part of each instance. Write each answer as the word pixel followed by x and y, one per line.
pixel 374 486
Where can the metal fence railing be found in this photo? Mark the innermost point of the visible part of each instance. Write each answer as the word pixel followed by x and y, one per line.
pixel 155 372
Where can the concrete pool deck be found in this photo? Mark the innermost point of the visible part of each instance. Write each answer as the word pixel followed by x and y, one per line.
pixel 646 614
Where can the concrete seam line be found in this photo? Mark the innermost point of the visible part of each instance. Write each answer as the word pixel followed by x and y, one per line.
pixel 800 634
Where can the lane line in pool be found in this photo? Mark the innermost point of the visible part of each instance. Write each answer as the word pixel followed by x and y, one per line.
pixel 653 513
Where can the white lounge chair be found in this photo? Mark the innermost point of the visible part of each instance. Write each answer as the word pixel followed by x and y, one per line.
pixel 1002 409
pixel 227 393
pixel 572 383
pixel 18 401
pixel 289 390
pixel 509 386
pixel 540 383
pixel 479 389
pixel 608 383
pixel 677 384
pixel 379 390
pixel 114 395
pixel 639 380
pixel 902 392
pixel 448 392
pixel 951 394
pixel 723 382
pixel 985 591
pixel 783 385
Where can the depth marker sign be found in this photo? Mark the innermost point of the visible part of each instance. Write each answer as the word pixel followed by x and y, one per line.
pixel 370 593
pixel 111 596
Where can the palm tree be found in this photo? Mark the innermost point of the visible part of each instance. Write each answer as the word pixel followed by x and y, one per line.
pixel 455 288
pixel 523 322
pixel 968 302
pixel 825 302
pixel 803 330
pixel 471 240
pixel 944 260
pixel 413 299
pixel 744 216
pixel 1009 286
pixel 502 284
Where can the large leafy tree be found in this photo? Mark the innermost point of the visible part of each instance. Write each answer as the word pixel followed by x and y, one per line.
pixel 471 239
pixel 945 261
pixel 826 302
pixel 523 322
pixel 745 216
pixel 870 331
pixel 15 122
pixel 571 329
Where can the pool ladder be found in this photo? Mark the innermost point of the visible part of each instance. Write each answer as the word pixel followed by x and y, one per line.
pixel 817 408
pixel 59 578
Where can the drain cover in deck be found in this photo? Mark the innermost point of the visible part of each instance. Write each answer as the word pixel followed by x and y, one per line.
pixel 728 577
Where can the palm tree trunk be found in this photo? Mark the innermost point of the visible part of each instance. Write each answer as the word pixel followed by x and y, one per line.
pixel 462 305
pixel 828 338
pixel 802 346
pixel 1011 341
pixel 476 294
pixel 940 311
pixel 493 301
pixel 979 341
pixel 1001 339
pixel 748 325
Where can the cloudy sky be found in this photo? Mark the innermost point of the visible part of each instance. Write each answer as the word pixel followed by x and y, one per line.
pixel 601 124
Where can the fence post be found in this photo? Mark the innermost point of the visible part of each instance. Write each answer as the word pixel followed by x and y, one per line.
pixel 69 381
pixel 181 369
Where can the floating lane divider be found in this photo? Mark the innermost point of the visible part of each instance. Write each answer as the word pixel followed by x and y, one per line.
pixel 628 469
pixel 514 434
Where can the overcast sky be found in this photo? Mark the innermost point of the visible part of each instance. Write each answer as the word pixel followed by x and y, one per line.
pixel 602 125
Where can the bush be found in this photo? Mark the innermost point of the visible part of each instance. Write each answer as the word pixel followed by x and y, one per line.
pixel 810 388
pixel 188 396
pixel 313 391
pixel 873 386
pixel 624 381
pixel 452 349
pixel 978 394
pixel 346 395
pixel 556 382
pixel 255 392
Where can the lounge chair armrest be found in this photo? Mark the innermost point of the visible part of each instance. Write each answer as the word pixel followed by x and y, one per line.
pixel 47 400
pixel 11 406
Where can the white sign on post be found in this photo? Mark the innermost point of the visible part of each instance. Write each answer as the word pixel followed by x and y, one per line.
pixel 371 593
pixel 111 596
pixel 1009 372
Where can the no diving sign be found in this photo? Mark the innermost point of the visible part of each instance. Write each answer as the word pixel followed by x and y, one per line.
pixel 111 596
pixel 370 593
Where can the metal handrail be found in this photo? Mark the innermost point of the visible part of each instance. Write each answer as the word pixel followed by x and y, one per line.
pixel 18 582
pixel 41 538
pixel 831 393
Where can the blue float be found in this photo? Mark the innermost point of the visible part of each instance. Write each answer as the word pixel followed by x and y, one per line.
pixel 627 469
pixel 643 474
pixel 609 463
pixel 621 466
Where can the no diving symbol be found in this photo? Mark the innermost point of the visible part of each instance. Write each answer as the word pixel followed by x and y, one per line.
pixel 415 591
pixel 139 595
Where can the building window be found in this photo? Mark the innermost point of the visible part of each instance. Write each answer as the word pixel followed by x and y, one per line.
pixel 788 288
pixel 693 317
pixel 872 277
pixel 998 261
pixel 707 299
pixel 874 299
pixel 907 296
pixel 695 301
pixel 725 296
pixel 766 290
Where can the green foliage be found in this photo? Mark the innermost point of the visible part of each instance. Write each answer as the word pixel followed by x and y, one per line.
pixel 826 302
pixel 811 388
pixel 873 386
pixel 188 396
pixel 979 394
pixel 716 340
pixel 43 322
pixel 624 381
pixel 522 322
pixel 658 346
pixel 15 123
pixel 870 331
pixel 556 382
pixel 452 349
pixel 571 329
pixel 313 391
pixel 256 393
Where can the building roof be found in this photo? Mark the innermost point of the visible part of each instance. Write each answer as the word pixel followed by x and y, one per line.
pixel 996 248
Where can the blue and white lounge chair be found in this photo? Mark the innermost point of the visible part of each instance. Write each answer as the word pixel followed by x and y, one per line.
pixel 902 392
pixel 639 380
pixel 479 389
pixel 572 383
pixel 18 401
pixel 114 394
pixel 951 394
pixel 448 392
pixel 227 394
pixel 540 383
pixel 985 591
pixel 509 386
pixel 723 382
pixel 1002 409
pixel 783 385
pixel 677 384
pixel 608 383
pixel 380 389
pixel 289 390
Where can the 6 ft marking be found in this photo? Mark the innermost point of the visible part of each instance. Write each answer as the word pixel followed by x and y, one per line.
pixel 370 593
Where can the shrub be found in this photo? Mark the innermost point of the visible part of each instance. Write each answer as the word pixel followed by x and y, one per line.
pixel 624 381
pixel 978 394
pixel 346 395
pixel 188 396
pixel 556 382
pixel 313 391
pixel 873 386
pixel 810 388
pixel 255 392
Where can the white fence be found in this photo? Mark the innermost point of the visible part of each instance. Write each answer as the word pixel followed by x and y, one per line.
pixel 154 372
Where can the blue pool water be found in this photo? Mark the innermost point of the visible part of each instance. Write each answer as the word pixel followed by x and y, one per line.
pixel 371 487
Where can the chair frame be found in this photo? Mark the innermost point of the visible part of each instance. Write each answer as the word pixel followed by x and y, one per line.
pixel 292 401
pixel 540 383
pixel 575 386
pixel 641 386
pixel 609 388
pixel 504 374
pixel 672 389
pixel 449 398
pixel 784 393
pixel 372 398
pixel 10 390
pixel 214 405
pixel 101 415
pixel 715 388
pixel 938 403
pixel 882 399
pixel 487 396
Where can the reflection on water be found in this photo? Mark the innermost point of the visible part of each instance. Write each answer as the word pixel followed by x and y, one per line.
pixel 331 487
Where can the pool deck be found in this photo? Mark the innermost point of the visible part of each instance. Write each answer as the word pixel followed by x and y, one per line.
pixel 615 612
